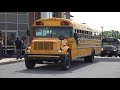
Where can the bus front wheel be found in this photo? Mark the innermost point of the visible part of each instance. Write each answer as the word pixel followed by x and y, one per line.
pixel 66 61
pixel 29 63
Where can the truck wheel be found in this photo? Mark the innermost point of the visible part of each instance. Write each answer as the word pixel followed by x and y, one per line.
pixel 116 54
pixel 66 61
pixel 109 55
pixel 29 63
pixel 119 55
pixel 56 61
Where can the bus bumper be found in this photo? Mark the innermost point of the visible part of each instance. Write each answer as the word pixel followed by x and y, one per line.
pixel 44 57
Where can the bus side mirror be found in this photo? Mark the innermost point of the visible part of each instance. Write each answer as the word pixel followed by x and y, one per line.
pixel 75 36
pixel 28 31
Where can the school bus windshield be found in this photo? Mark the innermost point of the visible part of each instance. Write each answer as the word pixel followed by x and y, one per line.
pixel 52 32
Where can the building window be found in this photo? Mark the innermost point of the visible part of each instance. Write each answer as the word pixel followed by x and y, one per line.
pixel 2 26
pixel 22 26
pixel 64 14
pixel 12 18
pixel 11 12
pixel 11 26
pixel 54 15
pixel 23 36
pixel 22 19
pixel 22 12
pixel 2 17
pixel 49 14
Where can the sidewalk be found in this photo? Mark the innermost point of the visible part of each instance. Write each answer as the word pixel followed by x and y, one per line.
pixel 10 60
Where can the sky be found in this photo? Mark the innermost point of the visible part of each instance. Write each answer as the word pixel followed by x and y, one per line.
pixel 96 20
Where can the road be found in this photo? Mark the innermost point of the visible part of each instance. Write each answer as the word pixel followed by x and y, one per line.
pixel 102 67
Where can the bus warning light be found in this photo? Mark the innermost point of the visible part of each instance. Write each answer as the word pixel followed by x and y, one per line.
pixel 39 23
pixel 64 23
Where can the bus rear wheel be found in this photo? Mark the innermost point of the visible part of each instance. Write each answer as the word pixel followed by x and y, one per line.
pixel 89 59
pixel 102 55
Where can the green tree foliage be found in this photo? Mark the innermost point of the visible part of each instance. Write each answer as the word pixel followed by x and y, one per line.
pixel 111 33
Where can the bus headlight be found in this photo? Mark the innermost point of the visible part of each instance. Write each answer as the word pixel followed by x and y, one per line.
pixel 58 51
pixel 29 47
pixel 61 51
pixel 28 51
pixel 115 50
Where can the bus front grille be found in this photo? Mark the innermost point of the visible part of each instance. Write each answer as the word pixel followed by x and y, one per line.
pixel 43 45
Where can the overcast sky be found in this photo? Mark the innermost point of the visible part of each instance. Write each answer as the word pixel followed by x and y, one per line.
pixel 109 20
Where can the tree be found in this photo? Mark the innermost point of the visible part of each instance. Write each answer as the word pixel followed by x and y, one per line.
pixel 111 33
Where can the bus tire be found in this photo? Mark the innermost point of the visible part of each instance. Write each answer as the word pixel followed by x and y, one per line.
pixel 102 55
pixel 89 59
pixel 29 63
pixel 86 59
pixel 66 61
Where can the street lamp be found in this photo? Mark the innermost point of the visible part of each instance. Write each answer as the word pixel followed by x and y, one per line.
pixel 102 32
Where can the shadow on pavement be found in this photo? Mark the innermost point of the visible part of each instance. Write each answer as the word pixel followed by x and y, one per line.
pixel 56 68
pixel 75 65
pixel 108 59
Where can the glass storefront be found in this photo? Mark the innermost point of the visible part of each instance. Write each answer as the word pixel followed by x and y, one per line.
pixel 8 39
pixel 13 24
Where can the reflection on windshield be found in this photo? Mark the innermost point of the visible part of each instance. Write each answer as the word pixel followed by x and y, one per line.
pixel 110 43
pixel 52 31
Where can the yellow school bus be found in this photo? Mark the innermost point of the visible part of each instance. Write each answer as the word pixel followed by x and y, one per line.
pixel 58 40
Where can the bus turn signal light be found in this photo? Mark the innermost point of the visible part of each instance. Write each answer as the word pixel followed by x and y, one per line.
pixel 63 51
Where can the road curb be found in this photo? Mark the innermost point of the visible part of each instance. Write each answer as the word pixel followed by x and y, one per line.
pixel 10 62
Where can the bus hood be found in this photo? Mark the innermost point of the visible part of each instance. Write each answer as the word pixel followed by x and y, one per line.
pixel 45 40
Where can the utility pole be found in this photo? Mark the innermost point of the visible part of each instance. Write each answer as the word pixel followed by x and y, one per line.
pixel 102 32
